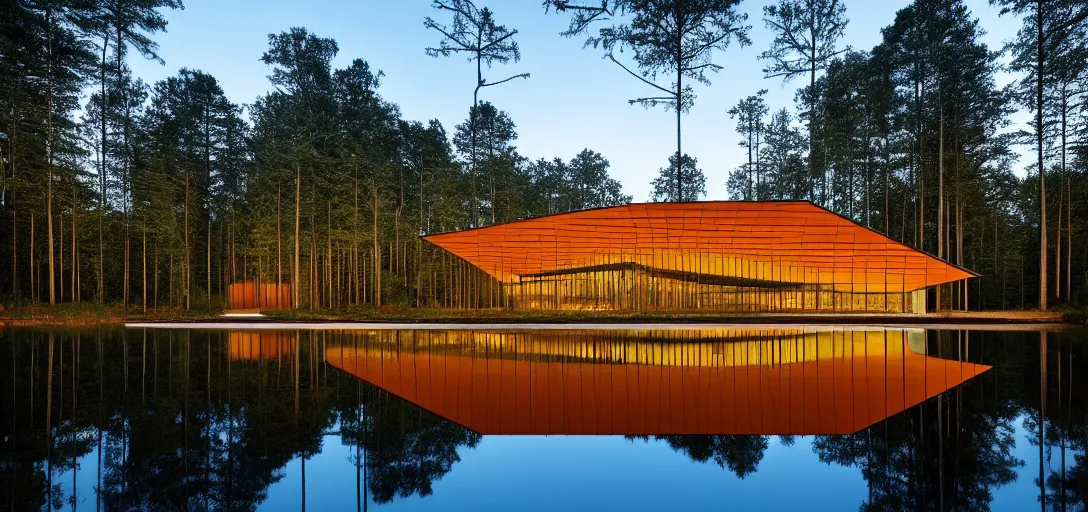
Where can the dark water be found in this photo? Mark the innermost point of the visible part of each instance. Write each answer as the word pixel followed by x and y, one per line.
pixel 766 419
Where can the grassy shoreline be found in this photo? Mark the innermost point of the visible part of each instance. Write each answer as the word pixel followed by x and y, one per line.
pixel 89 313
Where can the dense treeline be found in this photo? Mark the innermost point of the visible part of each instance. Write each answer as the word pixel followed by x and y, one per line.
pixel 913 138
pixel 163 194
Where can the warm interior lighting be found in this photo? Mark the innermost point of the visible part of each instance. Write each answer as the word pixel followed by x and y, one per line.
pixel 251 295
pixel 717 254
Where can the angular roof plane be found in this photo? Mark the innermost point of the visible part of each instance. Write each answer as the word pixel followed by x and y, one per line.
pixel 793 242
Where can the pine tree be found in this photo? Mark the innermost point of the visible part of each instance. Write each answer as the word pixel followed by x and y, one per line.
pixel 694 187
pixel 474 32
pixel 782 158
pixel 1048 25
pixel 749 113
pixel 806 33
pixel 675 38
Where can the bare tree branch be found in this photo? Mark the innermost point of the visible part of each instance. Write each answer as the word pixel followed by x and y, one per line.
pixel 636 75
pixel 522 75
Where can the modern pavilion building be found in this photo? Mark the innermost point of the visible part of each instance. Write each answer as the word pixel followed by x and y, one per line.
pixel 715 255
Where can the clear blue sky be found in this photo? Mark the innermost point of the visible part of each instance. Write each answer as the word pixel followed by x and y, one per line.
pixel 574 100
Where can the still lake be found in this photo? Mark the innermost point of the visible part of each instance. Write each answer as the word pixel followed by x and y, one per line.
pixel 681 418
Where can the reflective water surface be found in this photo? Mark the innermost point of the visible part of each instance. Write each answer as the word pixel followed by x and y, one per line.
pixel 777 419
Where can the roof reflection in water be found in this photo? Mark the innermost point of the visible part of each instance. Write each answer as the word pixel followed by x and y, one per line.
pixel 656 383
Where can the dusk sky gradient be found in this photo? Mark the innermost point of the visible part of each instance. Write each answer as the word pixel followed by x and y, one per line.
pixel 575 99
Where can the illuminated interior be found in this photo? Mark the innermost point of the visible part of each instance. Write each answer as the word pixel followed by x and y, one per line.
pixel 253 295
pixel 727 255
pixel 716 382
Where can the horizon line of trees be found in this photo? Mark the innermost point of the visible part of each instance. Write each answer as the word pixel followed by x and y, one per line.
pixel 164 194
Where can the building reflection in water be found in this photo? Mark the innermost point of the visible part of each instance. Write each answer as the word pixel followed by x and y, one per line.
pixel 251 346
pixel 785 382
pixel 199 420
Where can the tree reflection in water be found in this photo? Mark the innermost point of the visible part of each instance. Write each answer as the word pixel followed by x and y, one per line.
pixel 185 420
pixel 739 454
pixel 198 420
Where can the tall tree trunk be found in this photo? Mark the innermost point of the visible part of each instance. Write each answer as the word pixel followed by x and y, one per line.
pixel 759 167
pixel 222 261
pixel 376 255
pixel 940 198
pixel 1069 238
pixel 75 249
pixel 919 200
pixel 208 206
pixel 997 260
pixel 33 288
pixel 419 243
pixel 400 212
pixel 208 291
pixel 279 249
pixel 472 129
pixel 49 154
pixel 851 200
pixel 959 244
pixel 328 258
pixel 1039 148
pixel 356 238
pixel 887 186
pixel 313 259
pixel 811 100
pixel 14 211
pixel 750 179
pixel 1058 243
pixel 298 195
pixel 128 253
pixel 679 104
pixel 956 151
pixel 60 254
pixel 1061 193
pixel 125 170
pixel 102 181
pixel 125 179
pixel 868 170
pixel 188 253
pixel 143 272
pixel 940 192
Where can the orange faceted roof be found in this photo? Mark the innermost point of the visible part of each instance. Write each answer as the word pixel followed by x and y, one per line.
pixel 786 242
pixel 758 387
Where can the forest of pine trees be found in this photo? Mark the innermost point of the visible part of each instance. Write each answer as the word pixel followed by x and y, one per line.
pixel 152 195
pixel 913 138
